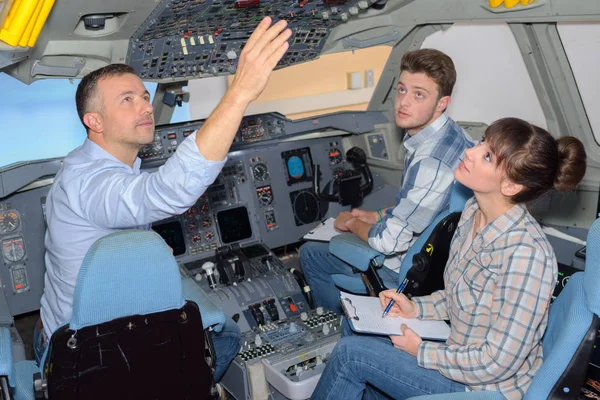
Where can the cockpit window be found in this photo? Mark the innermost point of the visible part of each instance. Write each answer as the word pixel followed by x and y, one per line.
pixel 488 86
pixel 40 121
pixel 580 41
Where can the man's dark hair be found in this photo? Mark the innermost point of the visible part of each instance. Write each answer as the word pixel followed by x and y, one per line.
pixel 86 89
pixel 433 63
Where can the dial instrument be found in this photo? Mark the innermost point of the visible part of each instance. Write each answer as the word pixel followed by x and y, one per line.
pixel 206 222
pixel 191 212
pixel 260 172
pixel 203 205
pixel 13 249
pixel 265 195
pixel 306 207
pixel 335 156
pixel 192 226
pixel 209 237
pixel 9 222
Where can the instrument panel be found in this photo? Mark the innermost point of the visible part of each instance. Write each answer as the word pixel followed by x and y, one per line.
pixel 255 198
pixel 14 253
pixel 188 39
pixel 258 130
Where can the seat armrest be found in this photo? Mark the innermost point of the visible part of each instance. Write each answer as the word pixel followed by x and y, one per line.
pixel 354 251
pixel 7 365
pixel 212 315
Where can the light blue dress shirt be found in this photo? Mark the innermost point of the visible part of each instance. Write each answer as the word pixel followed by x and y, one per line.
pixel 94 194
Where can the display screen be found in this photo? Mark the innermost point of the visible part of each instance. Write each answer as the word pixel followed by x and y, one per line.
pixel 234 224
pixel 173 235
pixel 297 165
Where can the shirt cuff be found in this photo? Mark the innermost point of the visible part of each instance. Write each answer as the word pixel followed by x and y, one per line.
pixel 420 307
pixel 426 354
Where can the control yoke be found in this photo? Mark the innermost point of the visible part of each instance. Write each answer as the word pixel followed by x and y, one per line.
pixel 346 188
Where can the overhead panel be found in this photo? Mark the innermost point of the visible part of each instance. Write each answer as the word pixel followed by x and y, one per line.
pixel 184 39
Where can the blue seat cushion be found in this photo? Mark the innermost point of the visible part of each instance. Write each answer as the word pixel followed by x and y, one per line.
pixel 592 268
pixel 568 322
pixel 354 251
pixel 24 371
pixel 105 289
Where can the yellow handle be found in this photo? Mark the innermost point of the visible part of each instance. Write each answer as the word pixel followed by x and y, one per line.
pixel 40 21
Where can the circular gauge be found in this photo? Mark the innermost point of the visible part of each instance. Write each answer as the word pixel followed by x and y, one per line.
pixel 335 156
pixel 195 238
pixel 191 212
pixel 9 222
pixel 202 205
pixel 265 195
pixel 306 207
pixel 13 249
pixel 260 172
pixel 209 237
pixel 206 222
pixel 192 227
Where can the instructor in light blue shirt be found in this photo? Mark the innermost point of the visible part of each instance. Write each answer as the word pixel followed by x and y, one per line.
pixel 100 188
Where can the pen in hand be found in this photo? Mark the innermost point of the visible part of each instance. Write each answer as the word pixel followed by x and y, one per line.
pixel 391 303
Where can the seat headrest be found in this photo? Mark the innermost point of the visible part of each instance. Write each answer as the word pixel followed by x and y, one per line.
pixel 592 268
pixel 459 196
pixel 126 273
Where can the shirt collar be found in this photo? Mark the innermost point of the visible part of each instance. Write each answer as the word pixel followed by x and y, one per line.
pixel 412 142
pixel 97 152
pixel 494 229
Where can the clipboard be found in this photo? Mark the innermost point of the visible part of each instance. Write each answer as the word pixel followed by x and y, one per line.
pixel 322 232
pixel 364 315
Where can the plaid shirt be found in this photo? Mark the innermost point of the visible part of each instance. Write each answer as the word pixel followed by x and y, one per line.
pixel 431 157
pixel 496 297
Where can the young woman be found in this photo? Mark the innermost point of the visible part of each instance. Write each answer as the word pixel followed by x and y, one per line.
pixel 499 279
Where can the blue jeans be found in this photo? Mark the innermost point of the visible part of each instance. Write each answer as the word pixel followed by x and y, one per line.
pixel 226 343
pixel 318 266
pixel 369 367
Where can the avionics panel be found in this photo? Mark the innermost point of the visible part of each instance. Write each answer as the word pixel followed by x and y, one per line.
pixel 255 198
pixel 258 128
pixel 183 38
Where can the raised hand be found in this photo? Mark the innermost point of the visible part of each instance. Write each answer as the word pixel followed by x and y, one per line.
pixel 265 47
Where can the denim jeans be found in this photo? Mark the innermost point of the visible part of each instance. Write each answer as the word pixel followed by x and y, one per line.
pixel 318 266
pixel 226 343
pixel 369 367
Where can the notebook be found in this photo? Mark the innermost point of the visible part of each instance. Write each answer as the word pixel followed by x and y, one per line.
pixel 322 232
pixel 364 314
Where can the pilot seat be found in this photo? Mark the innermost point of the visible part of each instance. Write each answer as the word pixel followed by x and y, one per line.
pixel 132 333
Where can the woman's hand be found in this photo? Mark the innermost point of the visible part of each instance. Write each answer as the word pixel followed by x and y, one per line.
pixel 408 342
pixel 402 307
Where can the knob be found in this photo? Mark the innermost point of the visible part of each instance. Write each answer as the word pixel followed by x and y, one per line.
pixel 319 310
pixel 208 267
pixel 325 329
pixel 293 328
pixel 198 277
pixel 304 316
pixel 257 340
